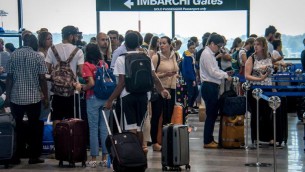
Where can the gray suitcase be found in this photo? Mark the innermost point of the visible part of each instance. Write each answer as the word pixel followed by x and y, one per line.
pixel 175 147
pixel 7 138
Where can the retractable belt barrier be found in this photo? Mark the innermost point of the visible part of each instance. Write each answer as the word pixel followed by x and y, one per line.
pixel 274 103
pixel 290 91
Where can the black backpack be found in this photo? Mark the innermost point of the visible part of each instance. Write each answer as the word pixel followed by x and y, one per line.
pixel 138 73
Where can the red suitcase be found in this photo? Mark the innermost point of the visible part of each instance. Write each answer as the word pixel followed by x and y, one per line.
pixel 70 138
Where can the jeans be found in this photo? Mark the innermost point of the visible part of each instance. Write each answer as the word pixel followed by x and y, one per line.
pixel 97 125
pixel 209 92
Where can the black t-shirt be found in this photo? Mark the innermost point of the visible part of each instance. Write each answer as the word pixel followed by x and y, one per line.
pixel 198 54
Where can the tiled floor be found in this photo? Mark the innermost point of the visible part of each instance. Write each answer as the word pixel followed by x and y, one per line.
pixel 289 159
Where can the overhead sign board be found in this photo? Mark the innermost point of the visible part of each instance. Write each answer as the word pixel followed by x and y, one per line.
pixel 172 5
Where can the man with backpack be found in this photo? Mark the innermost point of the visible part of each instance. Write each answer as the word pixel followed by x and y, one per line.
pixel 64 62
pixel 134 96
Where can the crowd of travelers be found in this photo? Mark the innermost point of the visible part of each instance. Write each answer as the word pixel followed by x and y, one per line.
pixel 208 64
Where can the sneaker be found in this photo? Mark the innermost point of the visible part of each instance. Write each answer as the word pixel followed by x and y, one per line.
pixel 92 164
pixel 103 163
pixel 196 107
pixel 192 111
pixel 212 145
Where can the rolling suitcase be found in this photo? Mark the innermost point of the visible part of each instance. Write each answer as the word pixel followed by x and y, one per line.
pixel 125 149
pixel 7 138
pixel 70 138
pixel 231 133
pixel 175 147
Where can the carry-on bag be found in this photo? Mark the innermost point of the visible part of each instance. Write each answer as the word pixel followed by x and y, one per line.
pixel 125 149
pixel 231 133
pixel 177 117
pixel 175 147
pixel 70 137
pixel 7 138
pixel 47 139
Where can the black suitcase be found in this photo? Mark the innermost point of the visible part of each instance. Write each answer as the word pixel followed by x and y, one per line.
pixel 70 138
pixel 7 138
pixel 125 149
pixel 175 147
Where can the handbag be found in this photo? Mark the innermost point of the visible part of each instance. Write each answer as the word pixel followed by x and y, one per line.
pixel 48 140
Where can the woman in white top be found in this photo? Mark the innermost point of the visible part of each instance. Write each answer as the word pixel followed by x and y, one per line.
pixel 258 69
pixel 278 59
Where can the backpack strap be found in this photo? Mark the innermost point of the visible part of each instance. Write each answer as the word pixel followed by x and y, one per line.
pixel 158 63
pixel 55 53
pixel 72 55
pixel 176 55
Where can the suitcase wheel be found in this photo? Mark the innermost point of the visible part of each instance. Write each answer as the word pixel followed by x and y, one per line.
pixel 61 164
pixel 175 169
pixel 71 164
pixel 83 164
pixel 164 168
pixel 187 167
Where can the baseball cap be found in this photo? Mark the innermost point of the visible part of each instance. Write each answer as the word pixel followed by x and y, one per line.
pixel 68 30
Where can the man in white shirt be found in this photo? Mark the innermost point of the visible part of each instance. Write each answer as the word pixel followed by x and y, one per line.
pixel 269 35
pixel 63 105
pixel 211 76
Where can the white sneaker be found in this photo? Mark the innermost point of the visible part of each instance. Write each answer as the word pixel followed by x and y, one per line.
pixel 103 163
pixel 92 164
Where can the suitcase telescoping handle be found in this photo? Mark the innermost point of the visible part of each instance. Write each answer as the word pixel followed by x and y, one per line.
pixel 102 109
pixel 78 99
